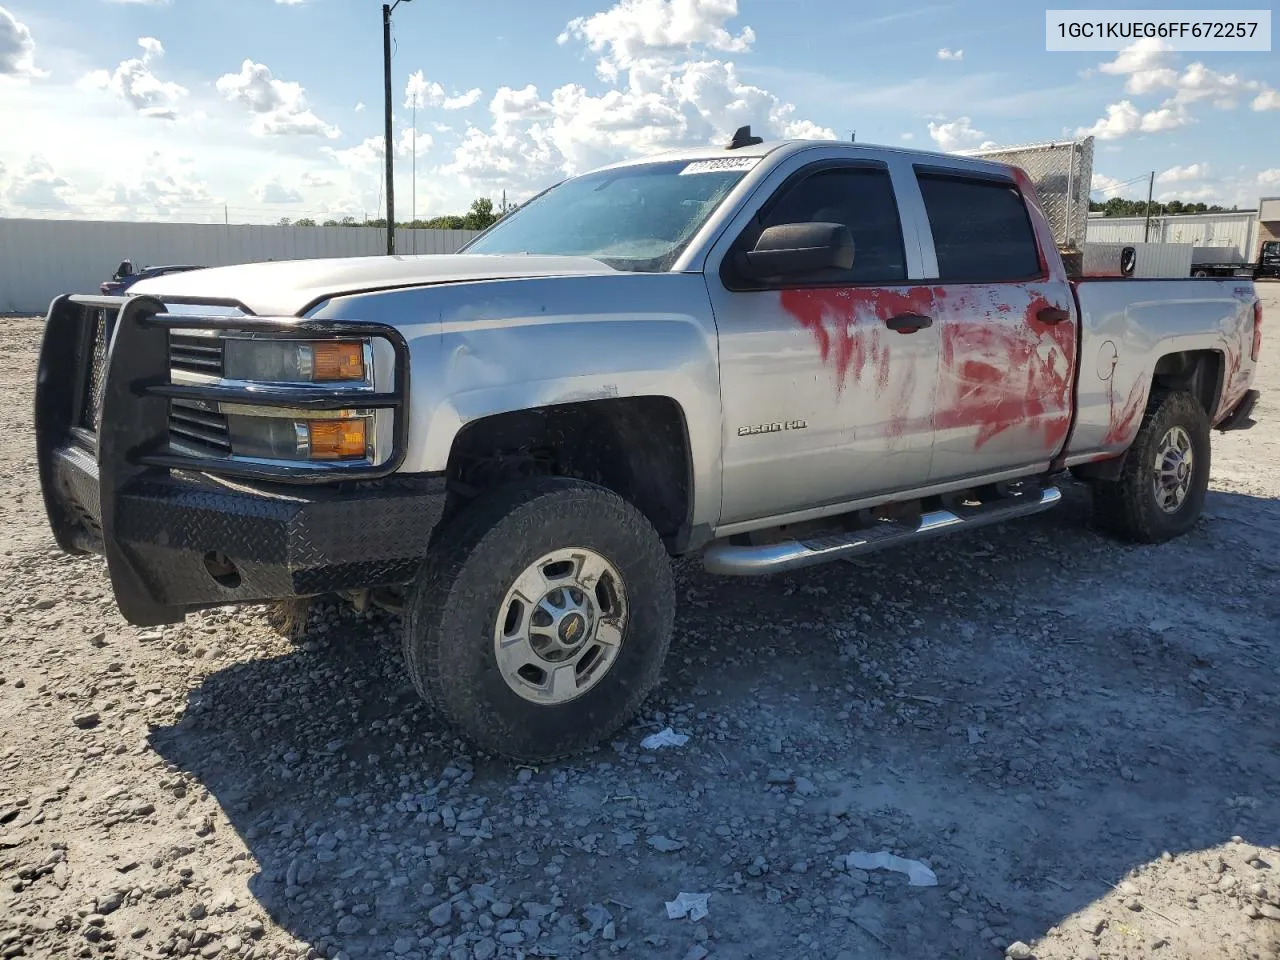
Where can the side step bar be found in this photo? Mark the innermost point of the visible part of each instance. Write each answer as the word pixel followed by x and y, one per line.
pixel 733 560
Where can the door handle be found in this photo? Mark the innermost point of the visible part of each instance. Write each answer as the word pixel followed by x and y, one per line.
pixel 908 322
pixel 1052 315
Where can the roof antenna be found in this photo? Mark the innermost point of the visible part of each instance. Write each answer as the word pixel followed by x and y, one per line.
pixel 743 138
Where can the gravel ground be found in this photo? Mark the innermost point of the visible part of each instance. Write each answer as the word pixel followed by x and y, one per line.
pixel 1078 737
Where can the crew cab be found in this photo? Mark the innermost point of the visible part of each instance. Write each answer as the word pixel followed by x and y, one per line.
pixel 775 354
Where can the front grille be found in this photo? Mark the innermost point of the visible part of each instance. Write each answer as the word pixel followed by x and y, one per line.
pixel 196 427
pixel 101 321
pixel 195 354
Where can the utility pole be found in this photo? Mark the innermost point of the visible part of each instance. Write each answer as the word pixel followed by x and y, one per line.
pixel 1146 229
pixel 413 218
pixel 388 147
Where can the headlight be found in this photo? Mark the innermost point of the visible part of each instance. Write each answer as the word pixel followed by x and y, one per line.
pixel 340 435
pixel 295 361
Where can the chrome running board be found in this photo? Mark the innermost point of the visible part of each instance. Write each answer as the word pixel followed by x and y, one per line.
pixel 733 560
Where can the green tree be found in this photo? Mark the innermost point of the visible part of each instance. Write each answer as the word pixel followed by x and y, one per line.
pixel 481 215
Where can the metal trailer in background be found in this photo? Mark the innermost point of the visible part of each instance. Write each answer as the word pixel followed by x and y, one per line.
pixel 42 259
pixel 1150 260
pixel 1226 237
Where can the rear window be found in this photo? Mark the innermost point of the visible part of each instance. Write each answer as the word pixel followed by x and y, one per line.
pixel 981 230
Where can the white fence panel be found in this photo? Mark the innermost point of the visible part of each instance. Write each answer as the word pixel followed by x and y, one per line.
pixel 42 259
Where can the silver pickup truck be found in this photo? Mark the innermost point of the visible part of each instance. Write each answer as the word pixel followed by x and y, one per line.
pixel 775 354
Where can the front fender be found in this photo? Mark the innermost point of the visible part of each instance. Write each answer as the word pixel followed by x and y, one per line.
pixel 481 349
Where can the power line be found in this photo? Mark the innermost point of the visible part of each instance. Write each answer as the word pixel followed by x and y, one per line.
pixel 1116 186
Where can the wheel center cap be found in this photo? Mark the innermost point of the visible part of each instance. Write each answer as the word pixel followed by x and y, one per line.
pixel 573 629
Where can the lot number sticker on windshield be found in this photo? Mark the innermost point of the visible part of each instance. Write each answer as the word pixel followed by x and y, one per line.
pixel 720 166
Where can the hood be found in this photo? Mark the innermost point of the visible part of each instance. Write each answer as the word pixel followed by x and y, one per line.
pixel 285 288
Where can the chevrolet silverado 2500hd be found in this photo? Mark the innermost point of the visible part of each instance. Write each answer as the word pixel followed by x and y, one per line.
pixel 776 354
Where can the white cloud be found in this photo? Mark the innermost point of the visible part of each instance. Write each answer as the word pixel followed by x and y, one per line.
pixel 1145 65
pixel 1203 194
pixel 134 82
pixel 947 54
pixel 359 157
pixel 1270 178
pixel 1192 171
pixel 420 92
pixel 405 145
pixel 633 30
pixel 958 134
pixel 1101 183
pixel 17 48
pixel 165 186
pixel 463 100
pixel 661 91
pixel 291 3
pixel 360 107
pixel 38 188
pixel 312 178
pixel 908 136
pixel 279 106
pixel 1268 99
pixel 1224 90
pixel 144 3
pixel 509 107
pixel 1123 119
pixel 273 191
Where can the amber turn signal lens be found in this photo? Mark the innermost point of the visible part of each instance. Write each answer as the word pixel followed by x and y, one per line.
pixel 337 439
pixel 337 361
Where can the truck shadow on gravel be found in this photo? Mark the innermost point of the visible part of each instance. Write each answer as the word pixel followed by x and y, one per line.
pixel 1032 709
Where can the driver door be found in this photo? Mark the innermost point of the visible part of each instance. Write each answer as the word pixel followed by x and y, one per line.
pixel 827 380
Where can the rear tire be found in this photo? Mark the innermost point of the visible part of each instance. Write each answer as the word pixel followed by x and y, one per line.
pixel 1161 490
pixel 541 617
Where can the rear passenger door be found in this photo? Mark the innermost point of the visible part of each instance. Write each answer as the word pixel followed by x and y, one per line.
pixel 1009 326
pixel 827 380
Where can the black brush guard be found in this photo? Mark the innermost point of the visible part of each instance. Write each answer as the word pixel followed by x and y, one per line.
pixel 181 532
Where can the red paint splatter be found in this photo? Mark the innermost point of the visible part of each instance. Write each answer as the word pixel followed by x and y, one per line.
pixel 1007 371
pixel 1124 422
pixel 1001 367
pixel 846 324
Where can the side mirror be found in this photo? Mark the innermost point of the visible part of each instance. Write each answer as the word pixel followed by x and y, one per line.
pixel 124 270
pixel 789 249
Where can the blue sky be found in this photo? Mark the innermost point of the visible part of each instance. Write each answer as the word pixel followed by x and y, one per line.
pixel 173 109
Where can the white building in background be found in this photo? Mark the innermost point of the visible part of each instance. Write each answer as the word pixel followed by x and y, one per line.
pixel 43 259
pixel 1236 231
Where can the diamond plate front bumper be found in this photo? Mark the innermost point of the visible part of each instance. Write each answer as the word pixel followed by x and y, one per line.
pixel 178 539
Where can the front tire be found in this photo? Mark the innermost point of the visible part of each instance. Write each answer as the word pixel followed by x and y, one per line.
pixel 541 617
pixel 1160 493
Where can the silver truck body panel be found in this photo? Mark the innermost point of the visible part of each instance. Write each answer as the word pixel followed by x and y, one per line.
pixel 488 348
pixel 1127 326
pixel 820 358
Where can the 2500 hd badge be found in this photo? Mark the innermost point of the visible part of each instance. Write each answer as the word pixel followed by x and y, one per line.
pixel 775 427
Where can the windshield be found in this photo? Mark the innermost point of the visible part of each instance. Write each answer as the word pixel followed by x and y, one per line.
pixel 633 218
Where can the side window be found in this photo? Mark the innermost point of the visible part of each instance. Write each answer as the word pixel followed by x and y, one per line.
pixel 861 199
pixel 981 230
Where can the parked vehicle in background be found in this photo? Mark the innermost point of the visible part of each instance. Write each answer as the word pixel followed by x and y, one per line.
pixel 125 277
pixel 1205 264
pixel 776 355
